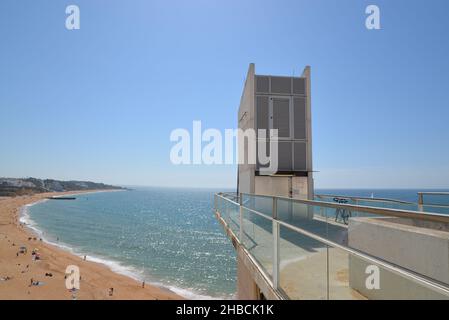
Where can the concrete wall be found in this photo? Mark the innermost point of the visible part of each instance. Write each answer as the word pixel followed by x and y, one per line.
pixel 283 186
pixel 246 121
pixel 392 286
pixel 422 250
pixel 275 186
pixel 300 187
pixel 246 286
pixel 307 74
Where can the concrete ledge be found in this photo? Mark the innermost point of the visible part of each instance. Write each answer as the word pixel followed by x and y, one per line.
pixel 392 286
pixel 423 249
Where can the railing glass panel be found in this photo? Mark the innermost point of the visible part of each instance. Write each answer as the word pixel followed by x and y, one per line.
pixel 434 202
pixel 303 216
pixel 436 209
pixel 303 266
pixel 343 284
pixel 229 212
pixel 258 239
pixel 438 199
pixel 234 217
pixel 225 210
pixel 261 204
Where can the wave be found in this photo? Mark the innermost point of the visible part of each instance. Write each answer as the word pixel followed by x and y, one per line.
pixel 115 266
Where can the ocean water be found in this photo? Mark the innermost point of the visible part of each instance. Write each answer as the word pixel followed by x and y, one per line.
pixel 169 237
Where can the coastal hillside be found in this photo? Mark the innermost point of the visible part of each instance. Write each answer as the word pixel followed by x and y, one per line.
pixel 15 187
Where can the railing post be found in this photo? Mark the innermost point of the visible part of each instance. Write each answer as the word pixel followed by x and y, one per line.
pixel 420 202
pixel 275 208
pixel 276 234
pixel 240 218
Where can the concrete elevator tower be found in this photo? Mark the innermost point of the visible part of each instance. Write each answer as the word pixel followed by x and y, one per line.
pixel 282 103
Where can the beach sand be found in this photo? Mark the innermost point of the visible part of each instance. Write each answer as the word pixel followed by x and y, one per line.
pixel 96 279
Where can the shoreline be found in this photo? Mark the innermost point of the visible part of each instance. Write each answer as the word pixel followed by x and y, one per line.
pixel 113 265
pixel 20 268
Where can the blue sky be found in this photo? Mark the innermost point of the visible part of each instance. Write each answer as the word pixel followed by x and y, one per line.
pixel 99 103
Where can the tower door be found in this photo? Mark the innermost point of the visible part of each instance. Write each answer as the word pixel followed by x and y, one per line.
pixel 280 116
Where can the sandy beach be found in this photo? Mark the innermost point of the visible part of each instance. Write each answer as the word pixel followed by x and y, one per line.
pixel 17 270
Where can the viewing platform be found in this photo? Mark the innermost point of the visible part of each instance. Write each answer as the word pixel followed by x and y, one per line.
pixel 359 248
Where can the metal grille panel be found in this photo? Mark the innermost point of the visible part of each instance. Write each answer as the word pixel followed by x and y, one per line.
pixel 299 113
pixel 300 155
pixel 262 84
pixel 299 86
pixel 281 117
pixel 262 114
pixel 281 85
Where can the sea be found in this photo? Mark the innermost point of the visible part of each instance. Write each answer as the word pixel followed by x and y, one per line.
pixel 166 236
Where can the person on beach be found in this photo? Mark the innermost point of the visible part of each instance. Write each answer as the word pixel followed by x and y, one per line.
pixel 143 284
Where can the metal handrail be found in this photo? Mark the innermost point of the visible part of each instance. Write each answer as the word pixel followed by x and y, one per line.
pixel 426 281
pixel 227 199
pixel 365 198
pixel 438 193
pixel 427 193
pixel 399 213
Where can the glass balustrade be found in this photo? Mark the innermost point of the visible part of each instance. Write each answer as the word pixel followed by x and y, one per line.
pixel 320 251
